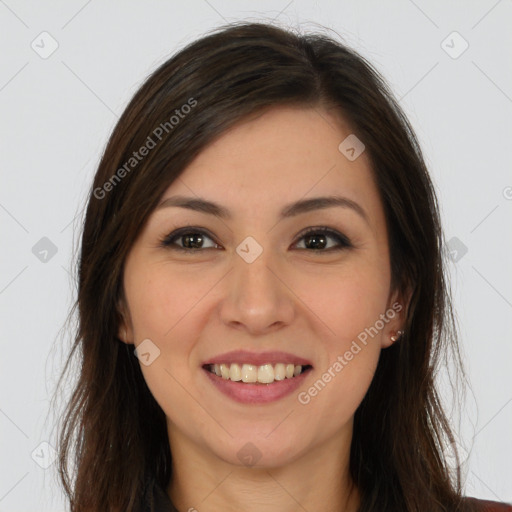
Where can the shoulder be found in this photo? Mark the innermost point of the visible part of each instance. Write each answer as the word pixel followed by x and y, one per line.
pixel 489 506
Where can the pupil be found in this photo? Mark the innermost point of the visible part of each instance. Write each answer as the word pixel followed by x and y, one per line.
pixel 190 238
pixel 315 239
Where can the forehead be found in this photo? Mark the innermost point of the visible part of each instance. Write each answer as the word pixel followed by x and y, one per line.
pixel 279 156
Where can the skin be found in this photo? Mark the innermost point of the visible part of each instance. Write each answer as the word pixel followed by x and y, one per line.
pixel 291 298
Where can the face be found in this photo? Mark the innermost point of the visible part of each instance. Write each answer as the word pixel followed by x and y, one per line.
pixel 313 283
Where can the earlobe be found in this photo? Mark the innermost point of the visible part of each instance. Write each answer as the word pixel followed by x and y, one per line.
pixel 392 337
pixel 123 331
pixel 398 307
pixel 397 336
pixel 122 335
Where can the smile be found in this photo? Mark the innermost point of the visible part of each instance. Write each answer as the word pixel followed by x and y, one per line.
pixel 252 391
pixel 250 373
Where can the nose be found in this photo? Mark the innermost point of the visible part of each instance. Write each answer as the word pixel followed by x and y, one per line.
pixel 257 299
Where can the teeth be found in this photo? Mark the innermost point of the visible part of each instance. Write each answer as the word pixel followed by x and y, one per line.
pixel 264 374
pixel 235 372
pixel 224 371
pixel 249 373
pixel 279 371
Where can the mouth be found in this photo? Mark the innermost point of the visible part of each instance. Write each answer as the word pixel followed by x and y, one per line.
pixel 256 378
pixel 257 374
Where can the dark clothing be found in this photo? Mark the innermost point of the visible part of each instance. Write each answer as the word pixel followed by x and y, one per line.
pixel 156 500
pixel 485 506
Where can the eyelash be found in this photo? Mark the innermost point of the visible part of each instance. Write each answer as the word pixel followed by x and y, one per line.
pixel 168 241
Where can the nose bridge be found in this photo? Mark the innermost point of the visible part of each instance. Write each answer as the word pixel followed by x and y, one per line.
pixel 256 284
pixel 256 299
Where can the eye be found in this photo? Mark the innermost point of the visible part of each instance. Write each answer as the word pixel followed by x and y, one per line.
pixel 317 240
pixel 192 239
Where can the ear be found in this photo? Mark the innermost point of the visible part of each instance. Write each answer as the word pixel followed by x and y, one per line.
pixel 125 328
pixel 396 315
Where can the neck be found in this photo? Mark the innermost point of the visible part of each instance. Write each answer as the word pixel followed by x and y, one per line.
pixel 318 480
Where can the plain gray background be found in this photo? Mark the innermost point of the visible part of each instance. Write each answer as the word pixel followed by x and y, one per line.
pixel 57 111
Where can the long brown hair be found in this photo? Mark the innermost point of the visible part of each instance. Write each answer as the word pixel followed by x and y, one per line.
pixel 112 425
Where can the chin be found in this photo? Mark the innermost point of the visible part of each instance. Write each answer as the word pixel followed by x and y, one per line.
pixel 259 451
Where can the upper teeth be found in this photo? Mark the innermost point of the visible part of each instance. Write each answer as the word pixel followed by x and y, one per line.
pixel 264 374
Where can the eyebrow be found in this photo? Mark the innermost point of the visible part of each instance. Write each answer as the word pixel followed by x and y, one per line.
pixel 291 210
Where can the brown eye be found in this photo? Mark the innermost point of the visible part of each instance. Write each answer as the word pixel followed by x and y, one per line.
pixel 192 240
pixel 317 239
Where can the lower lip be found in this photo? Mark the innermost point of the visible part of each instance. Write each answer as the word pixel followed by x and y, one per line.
pixel 257 393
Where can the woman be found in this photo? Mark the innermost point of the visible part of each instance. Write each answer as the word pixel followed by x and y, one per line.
pixel 262 298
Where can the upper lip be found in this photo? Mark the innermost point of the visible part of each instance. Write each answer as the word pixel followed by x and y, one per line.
pixel 257 359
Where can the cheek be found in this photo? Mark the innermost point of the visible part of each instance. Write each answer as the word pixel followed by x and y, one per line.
pixel 161 298
pixel 346 301
pixel 162 303
pixel 349 308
